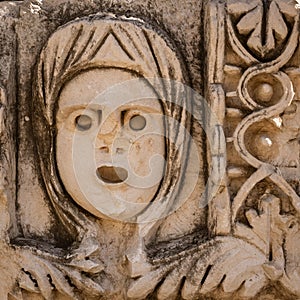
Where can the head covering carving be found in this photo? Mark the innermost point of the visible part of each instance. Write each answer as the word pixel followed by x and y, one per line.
pixel 102 42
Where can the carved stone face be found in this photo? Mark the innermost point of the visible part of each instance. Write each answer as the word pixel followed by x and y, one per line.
pixel 110 151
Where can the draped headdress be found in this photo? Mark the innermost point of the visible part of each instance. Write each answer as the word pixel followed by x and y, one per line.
pixel 109 42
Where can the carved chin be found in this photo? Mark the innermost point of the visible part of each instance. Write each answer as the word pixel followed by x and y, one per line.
pixel 112 175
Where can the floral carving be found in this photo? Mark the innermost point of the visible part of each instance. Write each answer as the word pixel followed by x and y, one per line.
pixel 243 264
pixel 264 25
pixel 272 232
pixel 226 261
pixel 267 230
pixel 256 89
pixel 43 273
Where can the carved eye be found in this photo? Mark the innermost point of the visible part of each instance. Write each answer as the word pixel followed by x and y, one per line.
pixel 137 122
pixel 83 122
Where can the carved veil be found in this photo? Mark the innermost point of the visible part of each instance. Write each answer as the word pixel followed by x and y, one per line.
pixel 82 45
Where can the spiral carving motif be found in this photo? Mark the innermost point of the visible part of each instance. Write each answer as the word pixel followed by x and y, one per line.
pixel 271 95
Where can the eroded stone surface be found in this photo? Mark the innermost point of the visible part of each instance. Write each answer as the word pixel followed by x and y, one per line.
pixel 109 187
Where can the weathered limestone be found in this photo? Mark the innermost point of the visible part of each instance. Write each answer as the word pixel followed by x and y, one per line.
pixel 149 149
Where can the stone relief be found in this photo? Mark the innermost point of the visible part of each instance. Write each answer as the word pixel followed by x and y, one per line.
pixel 113 119
pixel 262 26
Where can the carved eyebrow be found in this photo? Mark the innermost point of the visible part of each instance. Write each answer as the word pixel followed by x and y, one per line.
pixel 137 109
pixel 70 108
pixel 143 108
pixel 65 111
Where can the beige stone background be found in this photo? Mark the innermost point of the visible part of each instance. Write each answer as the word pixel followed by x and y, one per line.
pixel 194 27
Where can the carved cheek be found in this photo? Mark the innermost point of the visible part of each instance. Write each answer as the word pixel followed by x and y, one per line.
pixel 65 160
pixel 147 153
pixel 63 148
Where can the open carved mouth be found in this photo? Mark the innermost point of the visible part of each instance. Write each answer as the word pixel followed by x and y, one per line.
pixel 112 174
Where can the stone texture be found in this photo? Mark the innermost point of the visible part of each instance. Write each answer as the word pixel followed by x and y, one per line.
pixel 172 195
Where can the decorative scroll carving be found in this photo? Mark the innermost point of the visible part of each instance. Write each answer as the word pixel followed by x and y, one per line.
pixel 259 93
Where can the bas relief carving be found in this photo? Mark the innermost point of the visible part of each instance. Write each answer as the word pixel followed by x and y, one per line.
pixel 113 121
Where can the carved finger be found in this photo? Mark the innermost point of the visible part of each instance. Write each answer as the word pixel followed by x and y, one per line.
pixel 87 266
pixel 170 287
pixel 142 287
pixel 41 277
pixel 59 281
pixel 239 274
pixel 84 283
pixel 201 271
pixel 63 286
pixel 194 279
pixel 215 275
pixel 27 284
pixel 223 265
pixel 253 285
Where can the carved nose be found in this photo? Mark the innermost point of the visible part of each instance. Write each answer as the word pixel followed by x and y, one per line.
pixel 107 132
pixel 107 137
pixel 108 129
pixel 110 125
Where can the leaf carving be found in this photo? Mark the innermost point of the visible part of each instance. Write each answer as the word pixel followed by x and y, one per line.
pixel 264 25
pixel 225 261
pixel 45 274
pixel 268 232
